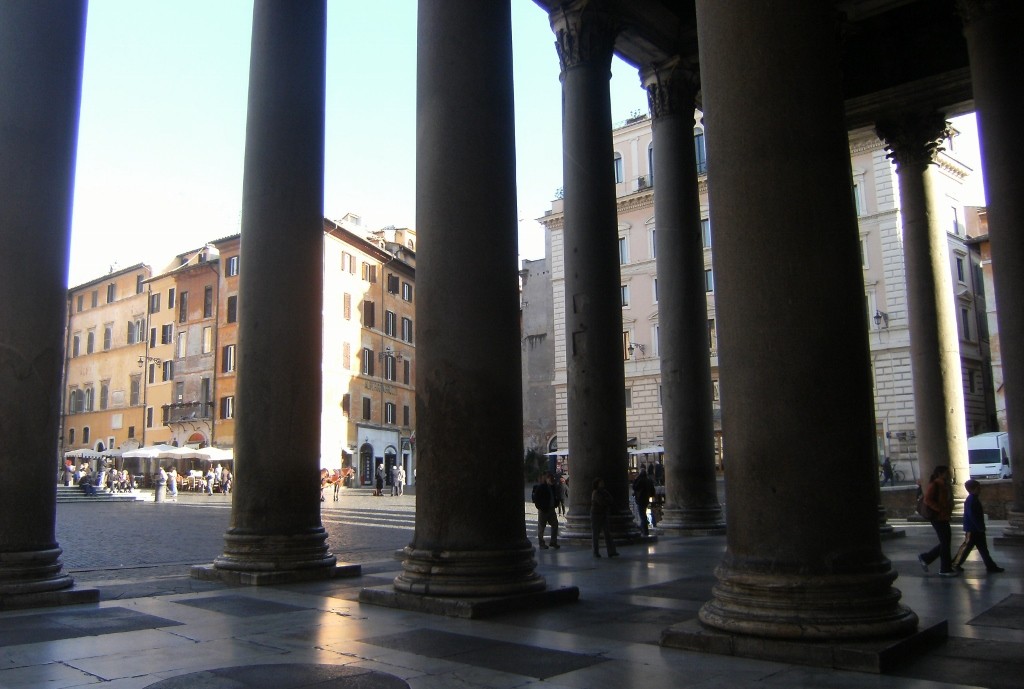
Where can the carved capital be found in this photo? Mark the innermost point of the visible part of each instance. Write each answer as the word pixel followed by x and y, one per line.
pixel 975 10
pixel 584 34
pixel 672 87
pixel 913 139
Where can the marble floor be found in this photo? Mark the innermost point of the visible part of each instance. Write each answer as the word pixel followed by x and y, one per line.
pixel 159 628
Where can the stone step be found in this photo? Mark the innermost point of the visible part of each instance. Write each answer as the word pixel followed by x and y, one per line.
pixel 66 494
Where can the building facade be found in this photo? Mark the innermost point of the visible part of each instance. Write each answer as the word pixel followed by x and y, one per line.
pixel 876 197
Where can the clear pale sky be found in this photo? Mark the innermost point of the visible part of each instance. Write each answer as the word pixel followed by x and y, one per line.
pixel 162 131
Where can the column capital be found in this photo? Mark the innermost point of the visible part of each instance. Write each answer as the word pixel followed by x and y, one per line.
pixel 974 10
pixel 671 86
pixel 913 139
pixel 584 33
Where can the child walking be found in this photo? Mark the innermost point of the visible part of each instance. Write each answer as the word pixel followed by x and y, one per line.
pixel 974 531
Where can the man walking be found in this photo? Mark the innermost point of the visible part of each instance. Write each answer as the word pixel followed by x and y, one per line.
pixel 643 491
pixel 545 499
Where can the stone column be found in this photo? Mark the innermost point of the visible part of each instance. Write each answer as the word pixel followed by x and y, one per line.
pixel 691 493
pixel 913 140
pixel 41 49
pixel 275 531
pixel 468 387
pixel 803 558
pixel 594 354
pixel 993 41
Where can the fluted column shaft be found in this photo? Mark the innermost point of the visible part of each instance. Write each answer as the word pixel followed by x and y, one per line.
pixel 468 386
pixel 593 303
pixel 41 53
pixel 275 519
pixel 913 141
pixel 993 39
pixel 794 364
pixel 691 493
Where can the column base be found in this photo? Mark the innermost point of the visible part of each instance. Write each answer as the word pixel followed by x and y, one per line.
pixel 469 573
pixel 35 578
pixel 467 607
pixel 576 529
pixel 877 656
pixel 795 606
pixel 240 578
pixel 258 558
pixel 693 521
pixel 1013 534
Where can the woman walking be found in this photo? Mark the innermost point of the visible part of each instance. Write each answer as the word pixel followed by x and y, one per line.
pixel 938 502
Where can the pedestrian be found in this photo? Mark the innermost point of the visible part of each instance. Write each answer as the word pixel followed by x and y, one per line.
pixel 601 502
pixel 643 491
pixel 325 477
pixel 161 485
pixel 545 500
pixel 938 507
pixel 394 479
pixel 974 531
pixel 172 484
pixel 563 494
pixel 887 472
pixel 401 480
pixel 210 479
pixel 659 474
pixel 380 480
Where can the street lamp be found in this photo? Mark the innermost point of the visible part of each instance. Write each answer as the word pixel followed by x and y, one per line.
pixel 881 319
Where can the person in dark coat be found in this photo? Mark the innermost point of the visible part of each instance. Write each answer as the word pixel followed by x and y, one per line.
pixel 601 503
pixel 974 531
pixel 643 491
pixel 545 499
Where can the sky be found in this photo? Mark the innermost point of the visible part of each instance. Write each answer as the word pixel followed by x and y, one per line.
pixel 162 129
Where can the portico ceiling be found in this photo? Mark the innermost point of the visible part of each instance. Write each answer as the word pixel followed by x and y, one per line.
pixel 897 54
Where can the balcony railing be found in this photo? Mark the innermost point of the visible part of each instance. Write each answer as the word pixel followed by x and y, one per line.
pixel 187 411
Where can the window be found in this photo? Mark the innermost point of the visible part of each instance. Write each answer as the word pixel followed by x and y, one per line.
pixel 348 263
pixel 233 308
pixel 650 164
pixel 138 283
pixel 207 339
pixel 970 380
pixel 623 251
pixel 858 199
pixel 624 292
pixel 390 367
pixel 81 302
pixel 183 307
pixel 701 152
pixel 367 361
pixel 131 432
pixel 617 164
pixel 152 338
pixel 965 315
pixel 85 435
pixel 346 356
pixel 111 292
pixel 656 338
pixel 179 391
pixel 406 291
pixel 167 333
pixel 136 389
pixel 228 359
pixel 95 298
pixel 154 303
pixel 346 306
pixel 168 370
pixel 170 298
pixel 626 341
pixel 709 280
pixel 76 344
pixel 406 372
pixel 392 283
pixel 136 331
pixel 628 398
pixel 389 412
pixel 227 407
pixel 407 329
pixel 405 415
pixel 89 395
pixel 654 290
pixel 390 323
pixel 208 302
pixel 231 268
pixel 346 404
pixel 715 397
pixel 712 336
pixel 369 272
pixel 149 417
pixel 705 232
pixel 152 373
pixel 182 348
pixel 369 320
pixel 864 253
pixel 71 436
pixel 366 408
pixel 90 342
pixel 104 393
pixel 654 243
pixel 957 227
pixel 108 336
pixel 960 270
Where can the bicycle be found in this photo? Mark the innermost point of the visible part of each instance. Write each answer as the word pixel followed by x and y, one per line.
pixel 897 475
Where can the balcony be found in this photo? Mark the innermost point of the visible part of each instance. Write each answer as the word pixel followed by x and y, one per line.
pixel 187 411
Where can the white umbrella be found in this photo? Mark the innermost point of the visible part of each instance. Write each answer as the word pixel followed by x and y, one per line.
pixel 83 454
pixel 216 454
pixel 179 453
pixel 148 452
pixel 558 453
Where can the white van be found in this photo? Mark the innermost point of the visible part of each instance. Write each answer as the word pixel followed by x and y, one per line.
pixel 989 454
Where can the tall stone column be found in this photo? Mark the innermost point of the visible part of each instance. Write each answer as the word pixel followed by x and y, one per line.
pixel 913 141
pixel 803 556
pixel 993 41
pixel 467 543
pixel 41 51
pixel 596 387
pixel 276 533
pixel 691 493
